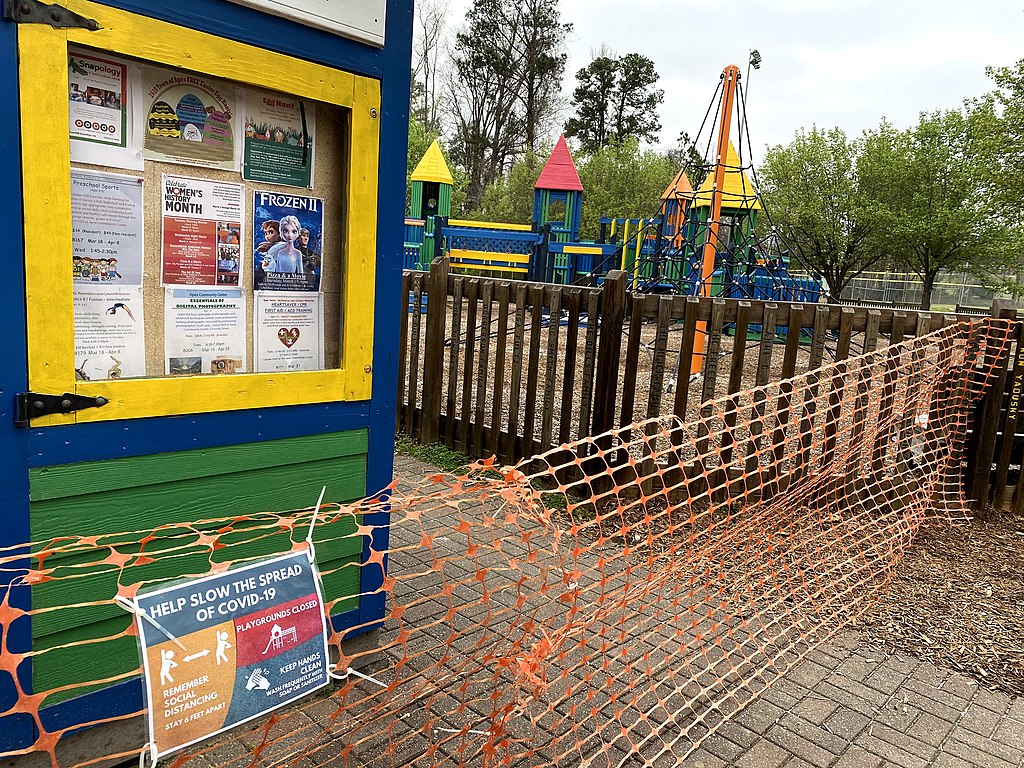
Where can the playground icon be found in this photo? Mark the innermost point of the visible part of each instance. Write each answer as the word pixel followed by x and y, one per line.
pixel 278 638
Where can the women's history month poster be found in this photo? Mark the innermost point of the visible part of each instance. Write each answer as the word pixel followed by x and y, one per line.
pixel 278 143
pixel 202 232
pixel 189 119
pixel 287 239
pixel 102 94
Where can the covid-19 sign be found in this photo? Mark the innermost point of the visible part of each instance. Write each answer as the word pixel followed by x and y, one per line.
pixel 223 649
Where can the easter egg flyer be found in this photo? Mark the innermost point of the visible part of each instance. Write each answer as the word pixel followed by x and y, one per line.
pixel 189 119
pixel 278 143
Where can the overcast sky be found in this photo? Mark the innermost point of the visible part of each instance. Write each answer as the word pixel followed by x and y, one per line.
pixel 843 63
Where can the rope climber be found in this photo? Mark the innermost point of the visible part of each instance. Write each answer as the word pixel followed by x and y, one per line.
pixel 721 216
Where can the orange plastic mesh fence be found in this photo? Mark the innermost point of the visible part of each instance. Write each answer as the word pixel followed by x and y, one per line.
pixel 608 603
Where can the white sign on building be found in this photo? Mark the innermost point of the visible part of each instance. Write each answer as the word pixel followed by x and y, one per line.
pixel 361 20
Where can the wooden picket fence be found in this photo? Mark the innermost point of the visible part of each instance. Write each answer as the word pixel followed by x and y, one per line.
pixel 509 368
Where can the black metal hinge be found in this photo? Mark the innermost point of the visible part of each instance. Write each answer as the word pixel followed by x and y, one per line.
pixel 35 12
pixel 31 405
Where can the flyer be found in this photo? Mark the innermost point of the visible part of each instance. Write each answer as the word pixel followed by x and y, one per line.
pixel 189 119
pixel 225 648
pixel 110 337
pixel 204 331
pixel 101 116
pixel 278 144
pixel 202 232
pixel 287 235
pixel 106 228
pixel 289 332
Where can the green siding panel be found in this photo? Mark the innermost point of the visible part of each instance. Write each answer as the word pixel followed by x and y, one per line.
pixel 141 494
pixel 98 476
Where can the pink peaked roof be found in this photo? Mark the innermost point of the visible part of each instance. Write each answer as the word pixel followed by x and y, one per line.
pixel 560 171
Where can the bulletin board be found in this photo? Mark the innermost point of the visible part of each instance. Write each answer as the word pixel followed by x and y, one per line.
pixel 329 153
pixel 346 156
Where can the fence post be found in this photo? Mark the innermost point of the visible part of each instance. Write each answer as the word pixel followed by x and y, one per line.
pixel 439 223
pixel 540 271
pixel 433 356
pixel 1015 383
pixel 986 423
pixel 606 385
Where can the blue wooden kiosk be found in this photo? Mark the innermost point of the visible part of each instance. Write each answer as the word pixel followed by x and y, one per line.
pixel 84 455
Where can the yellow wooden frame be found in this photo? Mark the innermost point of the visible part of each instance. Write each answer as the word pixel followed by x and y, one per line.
pixel 46 175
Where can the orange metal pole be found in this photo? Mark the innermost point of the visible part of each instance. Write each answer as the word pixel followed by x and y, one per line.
pixel 730 75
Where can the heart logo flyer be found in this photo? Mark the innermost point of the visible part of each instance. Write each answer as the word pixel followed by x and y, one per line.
pixel 288 336
pixel 288 331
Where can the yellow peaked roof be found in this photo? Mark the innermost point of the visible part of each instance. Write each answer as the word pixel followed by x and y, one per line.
pixel 737 190
pixel 433 167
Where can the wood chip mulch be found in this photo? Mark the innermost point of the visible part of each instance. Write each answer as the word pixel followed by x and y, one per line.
pixel 957 600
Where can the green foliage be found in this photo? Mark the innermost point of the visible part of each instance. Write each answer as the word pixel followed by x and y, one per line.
pixel 615 99
pixel 687 155
pixel 820 191
pixel 581 511
pixel 510 198
pixel 591 125
pixel 620 180
pixel 913 197
pixel 435 454
pixel 460 191
pixel 998 123
pixel 934 209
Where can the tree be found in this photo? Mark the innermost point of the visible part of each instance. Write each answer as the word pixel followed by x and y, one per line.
pixel 593 99
pixel 510 198
pixel 507 68
pixel 935 211
pixel 620 180
pixel 686 155
pixel 998 122
pixel 615 99
pixel 820 193
pixel 426 56
pixel 542 40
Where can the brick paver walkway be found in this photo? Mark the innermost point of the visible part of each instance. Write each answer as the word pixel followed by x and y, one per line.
pixel 850 705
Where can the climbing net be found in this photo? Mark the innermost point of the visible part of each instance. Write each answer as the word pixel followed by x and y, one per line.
pixel 751 263
pixel 611 602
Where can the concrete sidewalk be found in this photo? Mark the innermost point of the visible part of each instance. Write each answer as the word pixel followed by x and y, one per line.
pixel 851 705
pixel 854 706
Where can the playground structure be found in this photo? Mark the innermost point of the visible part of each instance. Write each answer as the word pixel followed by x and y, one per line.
pixel 702 242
